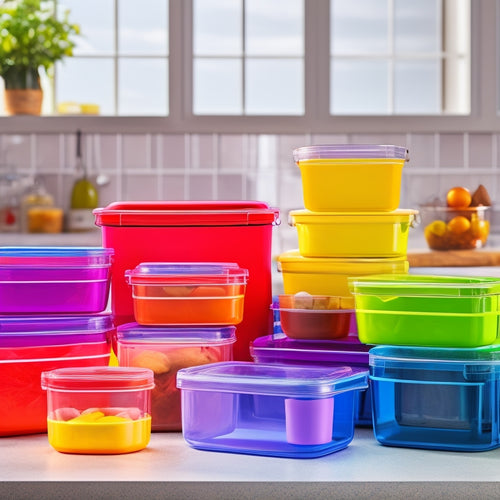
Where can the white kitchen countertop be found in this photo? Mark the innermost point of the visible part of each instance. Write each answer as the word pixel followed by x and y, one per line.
pixel 365 469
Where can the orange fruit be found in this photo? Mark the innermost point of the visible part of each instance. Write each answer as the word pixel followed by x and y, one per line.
pixel 458 224
pixel 458 197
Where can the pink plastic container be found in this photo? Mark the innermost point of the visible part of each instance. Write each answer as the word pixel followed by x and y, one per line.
pixel 194 231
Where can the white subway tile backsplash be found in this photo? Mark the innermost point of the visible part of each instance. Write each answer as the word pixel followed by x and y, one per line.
pixel 242 166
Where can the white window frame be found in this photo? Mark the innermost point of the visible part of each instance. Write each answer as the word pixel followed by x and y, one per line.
pixel 483 116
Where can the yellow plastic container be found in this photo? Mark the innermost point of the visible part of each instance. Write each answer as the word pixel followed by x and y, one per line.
pixel 353 234
pixel 351 177
pixel 329 276
pixel 98 410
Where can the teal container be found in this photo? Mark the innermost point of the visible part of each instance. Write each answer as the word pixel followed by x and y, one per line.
pixel 426 310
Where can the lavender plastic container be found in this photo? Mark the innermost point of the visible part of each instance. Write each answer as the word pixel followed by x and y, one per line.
pixel 263 409
pixel 50 280
pixel 348 351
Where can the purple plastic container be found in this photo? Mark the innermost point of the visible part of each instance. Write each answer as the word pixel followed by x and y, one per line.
pixel 46 280
pixel 262 409
pixel 39 331
pixel 347 351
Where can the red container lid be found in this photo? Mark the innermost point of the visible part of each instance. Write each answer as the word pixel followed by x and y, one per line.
pixel 99 378
pixel 186 213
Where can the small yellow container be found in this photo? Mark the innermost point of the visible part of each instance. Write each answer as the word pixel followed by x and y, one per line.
pixel 353 234
pixel 98 410
pixel 351 177
pixel 329 276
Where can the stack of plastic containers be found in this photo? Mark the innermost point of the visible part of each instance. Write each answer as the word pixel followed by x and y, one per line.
pixel 51 316
pixel 186 315
pixel 351 226
pixel 435 378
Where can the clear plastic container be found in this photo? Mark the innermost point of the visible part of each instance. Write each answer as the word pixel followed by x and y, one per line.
pixel 421 310
pixel 166 350
pixel 436 398
pixel 353 234
pixel 54 280
pixel 103 410
pixel 263 409
pixel 30 345
pixel 347 351
pixel 351 177
pixel 187 293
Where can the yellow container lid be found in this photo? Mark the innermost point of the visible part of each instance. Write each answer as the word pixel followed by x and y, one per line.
pixel 305 216
pixel 292 262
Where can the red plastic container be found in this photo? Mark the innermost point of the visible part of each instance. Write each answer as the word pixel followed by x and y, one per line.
pixel 194 231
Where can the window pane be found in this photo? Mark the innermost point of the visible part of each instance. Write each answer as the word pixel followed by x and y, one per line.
pixel 143 87
pixel 143 29
pixel 359 26
pixel 359 87
pixel 417 26
pixel 96 20
pixel 417 87
pixel 275 86
pixel 87 81
pixel 217 27
pixel 274 28
pixel 217 86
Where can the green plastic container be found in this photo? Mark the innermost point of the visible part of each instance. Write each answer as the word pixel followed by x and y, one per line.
pixel 421 310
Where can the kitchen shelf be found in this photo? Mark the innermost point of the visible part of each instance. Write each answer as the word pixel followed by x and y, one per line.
pixel 169 467
pixel 87 238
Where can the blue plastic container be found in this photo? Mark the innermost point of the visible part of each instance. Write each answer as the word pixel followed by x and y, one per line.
pixel 436 398
pixel 263 409
pixel 348 351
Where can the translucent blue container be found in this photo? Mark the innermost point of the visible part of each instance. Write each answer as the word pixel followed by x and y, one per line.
pixel 263 409
pixel 436 398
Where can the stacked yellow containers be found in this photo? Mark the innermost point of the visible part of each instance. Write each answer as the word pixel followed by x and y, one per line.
pixel 351 224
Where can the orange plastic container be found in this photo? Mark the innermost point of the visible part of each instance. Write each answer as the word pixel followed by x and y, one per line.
pixel 184 293
pixel 194 231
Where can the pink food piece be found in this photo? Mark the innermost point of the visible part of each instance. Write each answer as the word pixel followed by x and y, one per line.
pixel 132 413
pixel 65 414
pixel 91 410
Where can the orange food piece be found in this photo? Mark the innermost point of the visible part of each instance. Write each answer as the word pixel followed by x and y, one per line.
pixel 458 224
pixel 458 197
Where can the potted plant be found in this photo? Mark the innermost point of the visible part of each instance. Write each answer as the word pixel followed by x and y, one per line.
pixel 31 39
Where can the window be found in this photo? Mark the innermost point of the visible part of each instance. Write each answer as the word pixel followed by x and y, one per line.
pixel 121 61
pixel 291 66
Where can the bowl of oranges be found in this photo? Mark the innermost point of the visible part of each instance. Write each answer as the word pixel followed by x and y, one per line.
pixel 463 223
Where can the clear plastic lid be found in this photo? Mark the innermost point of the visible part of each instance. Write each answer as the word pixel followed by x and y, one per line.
pixel 55 256
pixel 351 151
pixel 424 285
pixel 403 355
pixel 103 378
pixel 26 331
pixel 273 380
pixel 190 272
pixel 135 333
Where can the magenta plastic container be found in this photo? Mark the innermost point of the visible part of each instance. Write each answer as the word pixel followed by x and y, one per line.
pixel 54 280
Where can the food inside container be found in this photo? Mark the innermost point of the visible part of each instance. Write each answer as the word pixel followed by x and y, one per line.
pixel 165 350
pixel 269 409
pixel 199 293
pixel 102 410
pixel 314 317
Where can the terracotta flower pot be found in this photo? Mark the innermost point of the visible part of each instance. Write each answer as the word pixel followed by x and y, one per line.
pixel 23 101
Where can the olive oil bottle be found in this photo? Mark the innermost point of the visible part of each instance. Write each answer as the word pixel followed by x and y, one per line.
pixel 84 195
